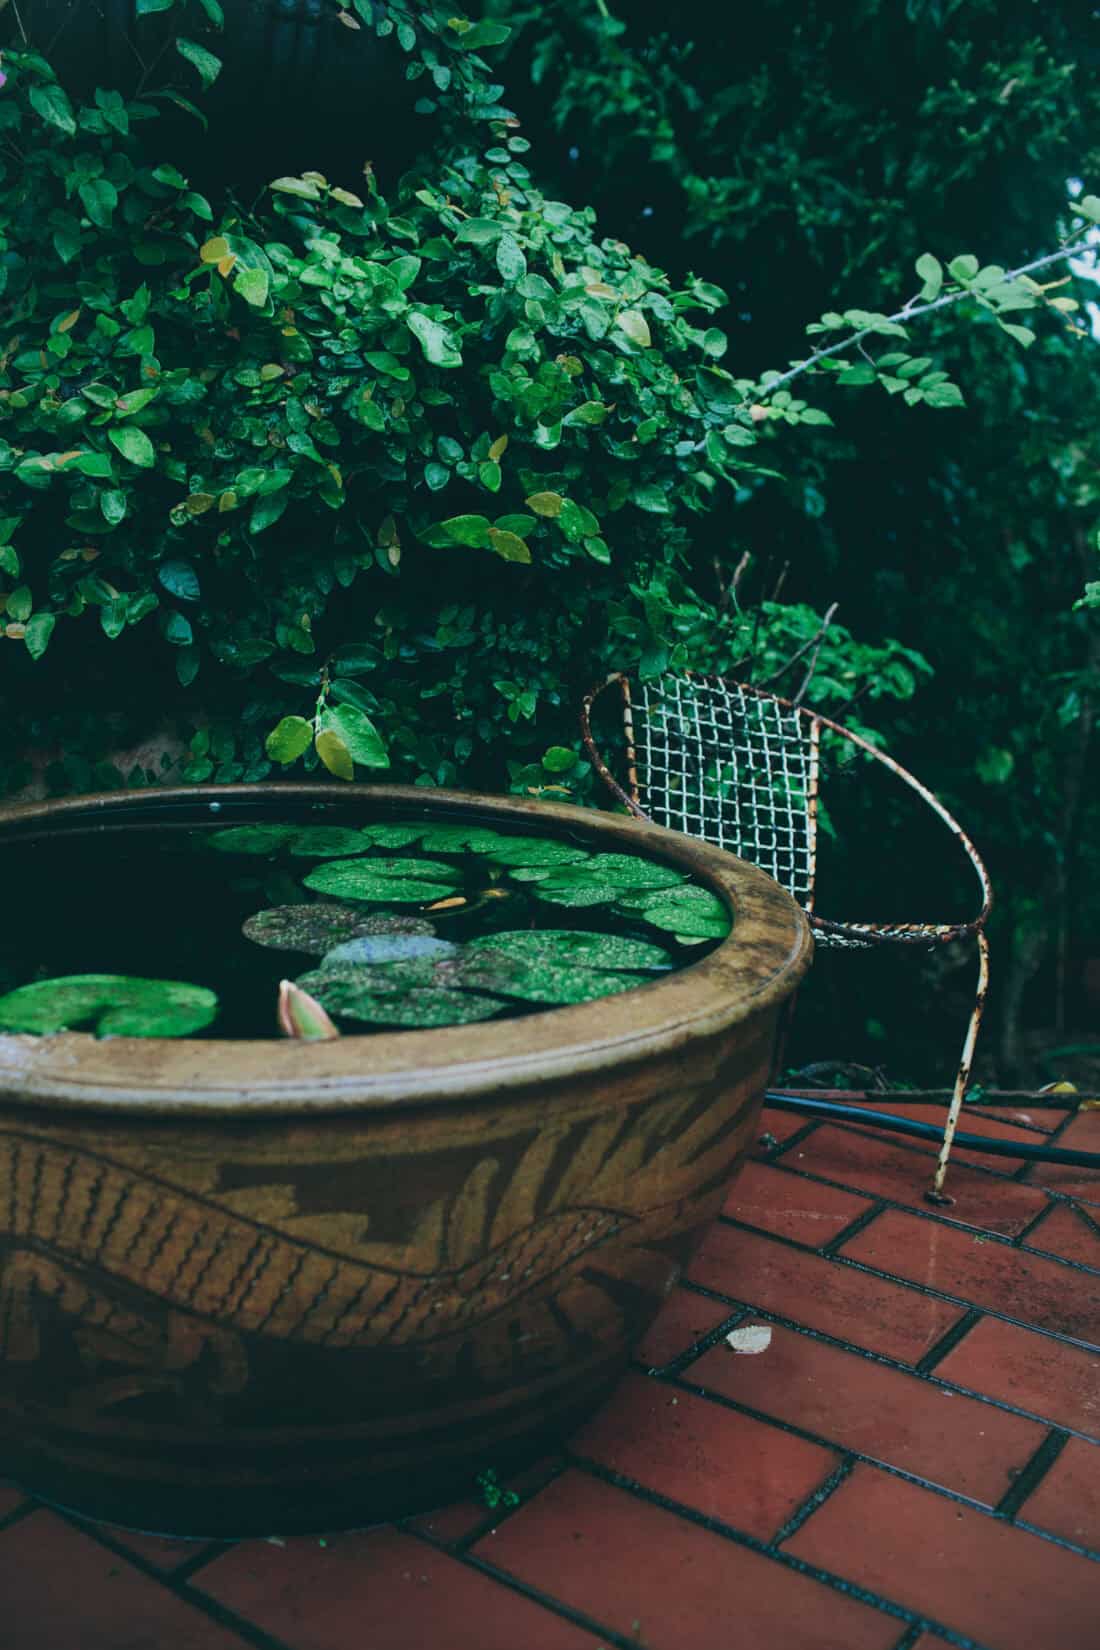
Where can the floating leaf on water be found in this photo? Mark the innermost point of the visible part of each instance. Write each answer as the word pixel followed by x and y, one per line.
pixel 456 839
pixel 300 1016
pixel 536 850
pixel 252 839
pixel 345 995
pixel 323 841
pixel 701 917
pixel 375 950
pixel 338 975
pixel 317 929
pixel 115 1005
pixel 555 891
pixel 541 982
pixel 563 946
pixel 392 836
pixel 389 881
pixel 624 872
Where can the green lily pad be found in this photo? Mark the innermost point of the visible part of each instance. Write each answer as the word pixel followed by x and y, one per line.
pixel 561 891
pixel 457 839
pixel 388 881
pixel 563 946
pixel 326 841
pixel 252 839
pixel 115 1005
pixel 536 851
pixel 627 872
pixel 340 974
pixel 540 982
pixel 691 912
pixel 393 836
pixel 345 994
pixel 319 928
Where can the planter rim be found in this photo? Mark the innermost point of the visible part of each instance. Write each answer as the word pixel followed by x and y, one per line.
pixel 753 970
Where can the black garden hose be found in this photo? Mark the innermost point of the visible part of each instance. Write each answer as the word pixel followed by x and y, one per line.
pixel 832 1111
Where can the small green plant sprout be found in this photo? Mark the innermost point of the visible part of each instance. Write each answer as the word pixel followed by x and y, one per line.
pixel 341 734
pixel 492 1491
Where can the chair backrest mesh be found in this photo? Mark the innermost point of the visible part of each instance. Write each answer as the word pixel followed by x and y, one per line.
pixel 733 768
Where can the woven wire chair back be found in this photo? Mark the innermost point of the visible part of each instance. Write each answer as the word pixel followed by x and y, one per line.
pixel 733 767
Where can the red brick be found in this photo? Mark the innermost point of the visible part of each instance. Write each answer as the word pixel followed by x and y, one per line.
pixel 62 1590
pixel 788 1206
pixel 1047 1118
pixel 884 1317
pixel 864 1406
pixel 1071 1232
pixel 725 1465
pixel 1058 1382
pixel 684 1319
pixel 1082 1134
pixel 1067 1501
pixel 990 1274
pixel 965 1570
pixel 381 1589
pixel 886 1168
pixel 780 1125
pixel 669 1584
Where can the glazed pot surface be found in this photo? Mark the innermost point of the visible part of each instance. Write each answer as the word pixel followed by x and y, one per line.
pixel 259 1286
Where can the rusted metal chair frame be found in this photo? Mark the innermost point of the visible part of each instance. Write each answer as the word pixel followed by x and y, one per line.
pixel 795 725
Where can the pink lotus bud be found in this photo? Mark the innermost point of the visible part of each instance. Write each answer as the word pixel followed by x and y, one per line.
pixel 301 1016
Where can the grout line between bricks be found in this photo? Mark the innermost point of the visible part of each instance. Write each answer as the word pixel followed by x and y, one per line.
pixel 851 1264
pixel 516 1584
pixel 909 1638
pixel 823 1442
pixel 835 1583
pixel 1032 1473
pixel 816 1499
pixel 947 1342
pixel 771 1316
pixel 853 1229
pixel 174 1584
pixel 17 1514
pixel 696 1350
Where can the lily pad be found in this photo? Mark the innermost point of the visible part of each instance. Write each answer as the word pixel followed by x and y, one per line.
pixel 252 839
pixel 393 836
pixel 566 891
pixel 563 946
pixel 540 982
pixel 379 950
pixel 626 872
pixel 346 995
pixel 340 974
pixel 457 839
pixel 319 928
pixel 114 1005
pixel 326 841
pixel 389 881
pixel 536 851
pixel 691 913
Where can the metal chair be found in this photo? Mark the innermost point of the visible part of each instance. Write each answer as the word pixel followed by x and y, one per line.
pixel 741 767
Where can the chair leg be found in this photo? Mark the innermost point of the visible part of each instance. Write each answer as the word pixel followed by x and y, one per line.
pixel 962 1079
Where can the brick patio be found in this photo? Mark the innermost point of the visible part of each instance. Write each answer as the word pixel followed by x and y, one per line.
pixel 914 1459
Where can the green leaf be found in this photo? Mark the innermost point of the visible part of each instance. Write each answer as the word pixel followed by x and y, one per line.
pixel 99 197
pixel 134 445
pixel 38 632
pixel 319 928
pixel 205 63
pixel 479 231
pixel 545 504
pixel 114 1004
pixel 508 546
pixel 302 187
pixel 963 268
pixel 469 530
pixel 143 7
pixel 434 339
pixel 411 882
pixel 289 739
pixel 652 497
pixel 52 103
pixel 510 259
pixel 930 271
pixel 252 285
pixel 251 839
pixel 358 733
pixel 558 759
pixel 335 754
pixel 180 578
pixel 1022 335
pixel 636 327
pixel 479 35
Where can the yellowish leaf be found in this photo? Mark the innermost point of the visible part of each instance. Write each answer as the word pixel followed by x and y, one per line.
pixel 496 451
pixel 335 755
pixel 509 546
pixel 636 327
pixel 69 322
pixel 213 251
pixel 545 504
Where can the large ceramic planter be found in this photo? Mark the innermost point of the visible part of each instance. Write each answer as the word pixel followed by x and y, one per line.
pixel 257 1286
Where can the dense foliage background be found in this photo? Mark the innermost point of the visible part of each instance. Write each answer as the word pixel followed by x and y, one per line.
pixel 385 468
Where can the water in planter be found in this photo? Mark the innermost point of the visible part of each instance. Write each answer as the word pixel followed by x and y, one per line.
pixel 146 929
